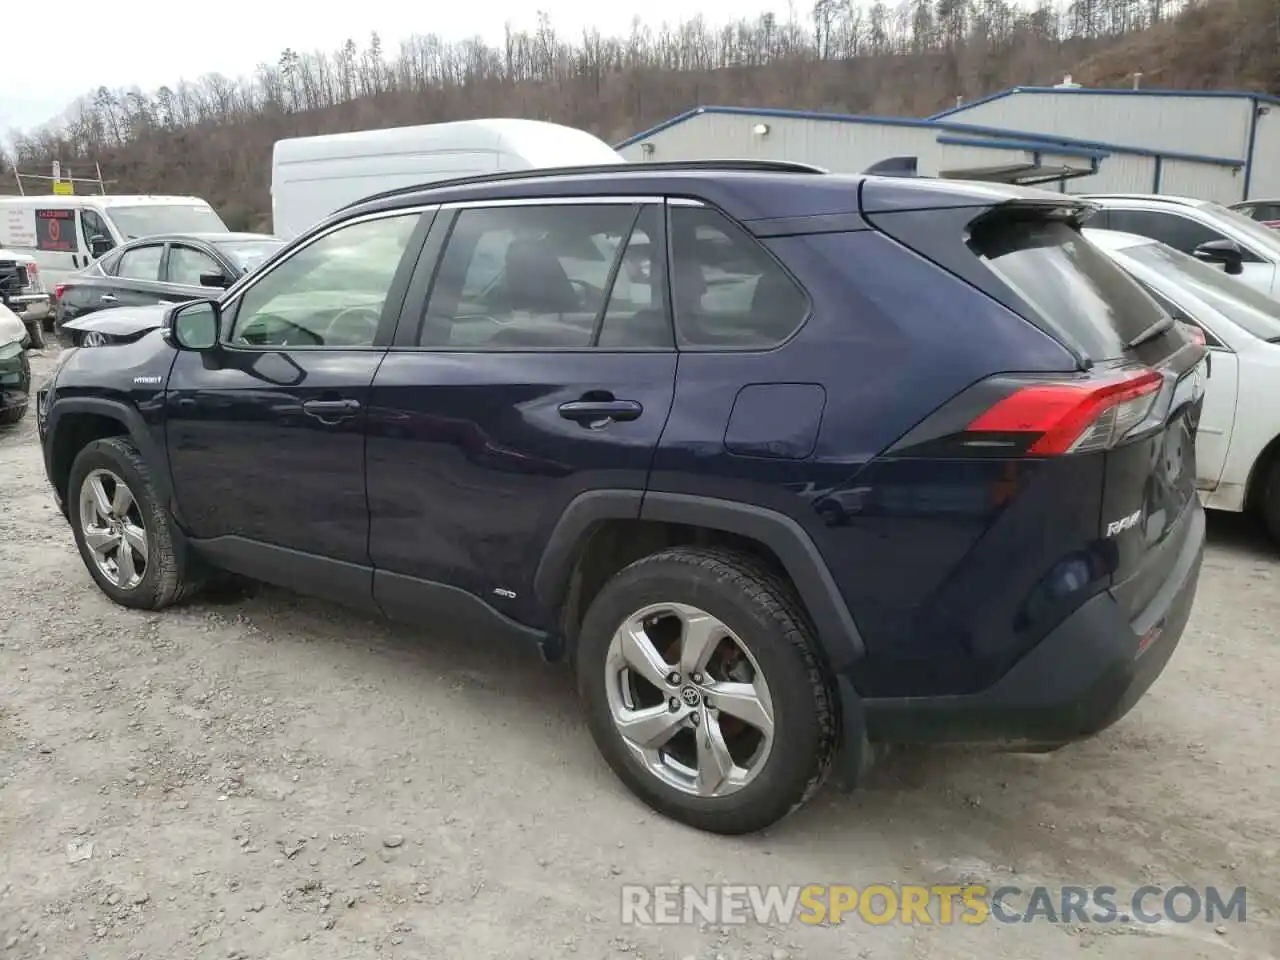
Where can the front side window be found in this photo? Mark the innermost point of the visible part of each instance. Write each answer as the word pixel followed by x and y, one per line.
pixel 186 264
pixel 727 290
pixel 92 225
pixel 141 263
pixel 1178 231
pixel 546 277
pixel 330 292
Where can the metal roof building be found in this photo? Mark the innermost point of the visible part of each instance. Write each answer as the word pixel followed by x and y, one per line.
pixel 1243 127
pixel 1023 135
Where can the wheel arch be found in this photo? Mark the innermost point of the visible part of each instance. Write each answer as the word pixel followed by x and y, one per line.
pixel 772 536
pixel 75 422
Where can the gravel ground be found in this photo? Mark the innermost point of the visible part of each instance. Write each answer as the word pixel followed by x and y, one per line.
pixel 272 777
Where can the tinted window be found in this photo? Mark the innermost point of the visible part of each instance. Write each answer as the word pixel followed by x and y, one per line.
pixel 1266 211
pixel 329 292
pixel 726 289
pixel 636 315
pixel 1181 233
pixel 527 277
pixel 187 263
pixel 92 225
pixel 1072 284
pixel 1242 304
pixel 152 219
pixel 140 263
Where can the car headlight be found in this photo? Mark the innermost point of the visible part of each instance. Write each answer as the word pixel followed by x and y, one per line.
pixel 11 351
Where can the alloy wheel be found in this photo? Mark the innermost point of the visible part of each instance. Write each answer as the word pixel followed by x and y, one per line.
pixel 689 700
pixel 113 528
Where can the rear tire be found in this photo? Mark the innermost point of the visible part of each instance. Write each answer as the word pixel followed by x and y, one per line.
pixel 114 507
pixel 35 329
pixel 1271 500
pixel 13 415
pixel 720 771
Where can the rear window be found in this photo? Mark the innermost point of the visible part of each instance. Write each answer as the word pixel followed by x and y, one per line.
pixel 1074 286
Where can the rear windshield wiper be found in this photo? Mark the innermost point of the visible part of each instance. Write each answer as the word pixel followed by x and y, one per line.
pixel 1153 331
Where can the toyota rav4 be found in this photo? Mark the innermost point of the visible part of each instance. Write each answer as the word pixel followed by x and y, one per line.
pixel 788 465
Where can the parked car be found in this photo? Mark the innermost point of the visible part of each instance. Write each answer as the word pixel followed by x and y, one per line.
pixel 66 234
pixel 1266 212
pixel 15 368
pixel 1238 444
pixel 165 269
pixel 24 293
pixel 1015 561
pixel 1242 247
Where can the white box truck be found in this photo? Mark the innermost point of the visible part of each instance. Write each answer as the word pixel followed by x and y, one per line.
pixel 311 177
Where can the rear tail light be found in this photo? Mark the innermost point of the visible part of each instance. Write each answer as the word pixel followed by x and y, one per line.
pixel 1194 332
pixel 1059 418
pixel 57 290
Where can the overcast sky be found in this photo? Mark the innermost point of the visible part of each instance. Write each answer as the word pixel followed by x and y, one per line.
pixel 147 43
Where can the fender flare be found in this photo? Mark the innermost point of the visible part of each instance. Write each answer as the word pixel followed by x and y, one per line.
pixel 837 632
pixel 135 428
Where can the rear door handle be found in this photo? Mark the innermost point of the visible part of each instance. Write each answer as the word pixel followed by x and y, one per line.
pixel 108 298
pixel 331 410
pixel 592 412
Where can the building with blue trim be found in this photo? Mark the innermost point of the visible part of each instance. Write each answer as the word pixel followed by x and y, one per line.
pixel 1221 146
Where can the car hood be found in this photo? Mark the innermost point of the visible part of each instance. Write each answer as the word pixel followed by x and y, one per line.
pixel 11 328
pixel 120 321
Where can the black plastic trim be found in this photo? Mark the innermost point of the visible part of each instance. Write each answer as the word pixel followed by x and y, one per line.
pixel 804 564
pixel 350 584
pixel 443 606
pixel 134 425
pixel 551 579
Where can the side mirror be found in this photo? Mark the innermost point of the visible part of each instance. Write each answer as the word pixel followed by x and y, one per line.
pixel 196 325
pixel 1224 252
pixel 99 245
pixel 215 280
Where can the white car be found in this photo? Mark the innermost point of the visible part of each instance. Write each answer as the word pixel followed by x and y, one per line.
pixel 1233 242
pixel 1238 443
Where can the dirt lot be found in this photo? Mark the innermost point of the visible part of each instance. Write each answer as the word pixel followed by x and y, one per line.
pixel 272 777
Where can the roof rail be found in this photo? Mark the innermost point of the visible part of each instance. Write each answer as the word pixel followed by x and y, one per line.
pixel 738 166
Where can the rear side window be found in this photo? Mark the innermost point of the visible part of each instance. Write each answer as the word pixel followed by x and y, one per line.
pixel 140 263
pixel 1074 286
pixel 728 291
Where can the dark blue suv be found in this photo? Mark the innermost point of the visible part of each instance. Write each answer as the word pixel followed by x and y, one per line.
pixel 788 465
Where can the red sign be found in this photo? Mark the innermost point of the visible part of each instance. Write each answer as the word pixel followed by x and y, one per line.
pixel 56 230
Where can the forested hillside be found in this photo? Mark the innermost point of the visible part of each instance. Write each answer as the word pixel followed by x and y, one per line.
pixel 213 136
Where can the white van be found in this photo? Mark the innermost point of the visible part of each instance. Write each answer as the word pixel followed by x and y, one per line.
pixel 66 234
pixel 311 177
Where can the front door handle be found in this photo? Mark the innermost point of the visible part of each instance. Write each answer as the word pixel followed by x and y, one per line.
pixel 331 411
pixel 108 298
pixel 600 412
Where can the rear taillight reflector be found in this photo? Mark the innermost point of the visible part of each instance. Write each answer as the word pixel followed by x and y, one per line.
pixel 1073 417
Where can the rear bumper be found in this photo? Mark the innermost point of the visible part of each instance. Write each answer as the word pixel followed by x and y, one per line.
pixel 30 306
pixel 1080 679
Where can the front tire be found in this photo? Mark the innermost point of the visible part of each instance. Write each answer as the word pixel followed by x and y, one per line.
pixel 122 529
pixel 12 415
pixel 704 690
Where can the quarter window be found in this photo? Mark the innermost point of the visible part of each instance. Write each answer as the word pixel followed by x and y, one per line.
pixel 140 263
pixel 329 293
pixel 554 277
pixel 728 291
pixel 186 264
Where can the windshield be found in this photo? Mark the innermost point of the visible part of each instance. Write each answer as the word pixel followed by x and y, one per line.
pixel 247 254
pixel 149 220
pixel 1243 305
pixel 1264 236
